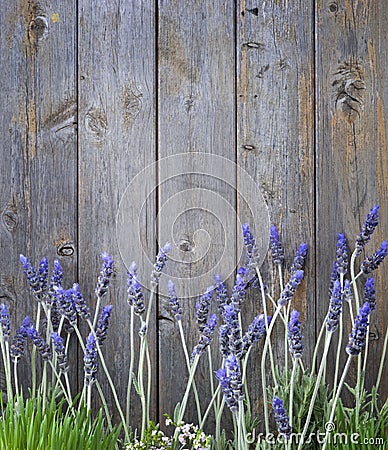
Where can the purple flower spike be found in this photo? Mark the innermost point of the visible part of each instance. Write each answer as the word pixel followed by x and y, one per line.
pixel 348 292
pixel 335 308
pixel 161 259
pixel 333 277
pixel 173 300
pixel 281 418
pixel 358 335
pixel 290 287
pixel 226 390
pixel 372 262
pixel 105 275
pixel 135 294
pixel 238 294
pixel 66 304
pixel 30 273
pixel 18 344
pixel 256 331
pixel 5 323
pixel 234 375
pixel 370 293
pixel 60 350
pixel 342 254
pixel 371 222
pixel 202 308
pixel 40 344
pixel 103 323
pixel 233 330
pixel 294 335
pixel 221 293
pixel 55 282
pixel 299 258
pixel 276 246
pixel 90 360
pixel 42 274
pixel 206 337
pixel 80 304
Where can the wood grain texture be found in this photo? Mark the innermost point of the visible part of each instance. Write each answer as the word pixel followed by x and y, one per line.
pixel 351 143
pixel 275 145
pixel 38 146
pixel 196 117
pixel 116 140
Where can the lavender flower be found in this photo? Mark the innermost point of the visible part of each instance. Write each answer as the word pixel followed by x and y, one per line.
pixel 234 375
pixel 90 360
pixel 221 293
pixel 135 294
pixel 358 335
pixel 55 281
pixel 294 335
pixel 202 308
pixel 335 308
pixel 281 418
pixel 370 293
pixel 79 303
pixel 342 254
pixel 238 293
pixel 226 389
pixel 372 262
pixel 103 323
pixel 276 246
pixel 206 337
pixel 160 262
pixel 371 222
pixel 299 258
pixel 60 350
pixel 256 331
pixel 105 275
pixel 223 336
pixel 290 287
pixel 40 344
pixel 30 273
pixel 333 277
pixel 5 321
pixel 66 304
pixel 348 292
pixel 173 299
pixel 250 246
pixel 42 274
pixel 18 344
pixel 233 331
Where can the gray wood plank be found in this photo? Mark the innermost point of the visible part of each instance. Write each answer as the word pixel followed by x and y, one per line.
pixel 116 141
pixel 275 145
pixel 196 116
pixel 352 143
pixel 38 146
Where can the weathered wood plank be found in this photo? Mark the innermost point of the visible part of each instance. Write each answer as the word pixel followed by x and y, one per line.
pixel 351 142
pixel 196 117
pixel 116 141
pixel 275 136
pixel 38 145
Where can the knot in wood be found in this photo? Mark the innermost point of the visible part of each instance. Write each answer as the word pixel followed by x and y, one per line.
pixel 186 245
pixel 333 7
pixel 349 89
pixel 10 218
pixel 66 249
pixel 39 28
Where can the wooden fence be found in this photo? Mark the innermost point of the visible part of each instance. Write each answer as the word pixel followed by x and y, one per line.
pixel 293 92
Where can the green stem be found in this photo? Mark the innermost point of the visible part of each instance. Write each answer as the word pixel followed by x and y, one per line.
pixel 64 391
pixel 323 328
pixel 207 412
pixel 149 368
pixel 241 426
pixel 209 354
pixel 188 387
pixel 112 386
pixel 244 376
pixel 131 364
pixel 96 312
pixel 266 322
pixel 286 317
pixel 33 352
pixel 316 388
pixel 290 412
pixel 263 378
pixel 185 351
pixel 382 361
pixel 7 364
pixel 334 406
pixel 15 376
